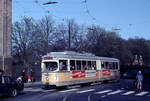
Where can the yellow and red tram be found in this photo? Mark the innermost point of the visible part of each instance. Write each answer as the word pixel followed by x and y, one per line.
pixel 69 68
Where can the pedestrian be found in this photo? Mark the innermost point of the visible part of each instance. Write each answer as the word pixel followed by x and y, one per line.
pixel 1 72
pixel 32 75
pixel 23 76
pixel 139 79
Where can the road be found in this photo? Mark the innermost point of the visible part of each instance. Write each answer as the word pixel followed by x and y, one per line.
pixel 123 90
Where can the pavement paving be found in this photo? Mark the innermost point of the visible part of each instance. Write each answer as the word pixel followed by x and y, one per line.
pixel 34 84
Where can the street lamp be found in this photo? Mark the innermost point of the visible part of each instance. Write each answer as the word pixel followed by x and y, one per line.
pixel 50 2
pixel 91 29
pixel 3 58
pixel 116 29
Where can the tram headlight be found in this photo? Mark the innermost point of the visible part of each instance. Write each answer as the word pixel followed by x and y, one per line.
pixel 47 78
pixel 55 77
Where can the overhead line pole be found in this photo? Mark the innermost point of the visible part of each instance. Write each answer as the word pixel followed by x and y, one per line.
pixel 69 36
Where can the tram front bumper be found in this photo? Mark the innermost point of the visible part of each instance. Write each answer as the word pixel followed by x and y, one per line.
pixel 50 84
pixel 57 84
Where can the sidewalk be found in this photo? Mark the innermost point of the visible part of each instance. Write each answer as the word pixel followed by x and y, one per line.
pixel 34 84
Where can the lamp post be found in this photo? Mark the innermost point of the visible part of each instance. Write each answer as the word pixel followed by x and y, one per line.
pixel 3 60
pixel 50 2
pixel 116 30
pixel 69 35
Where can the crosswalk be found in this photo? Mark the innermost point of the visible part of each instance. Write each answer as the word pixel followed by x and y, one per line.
pixel 105 92
pixel 129 92
pixel 84 91
pixel 141 93
pixel 124 93
pixel 115 92
pixel 68 90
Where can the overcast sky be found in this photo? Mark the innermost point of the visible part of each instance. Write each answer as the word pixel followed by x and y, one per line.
pixel 132 17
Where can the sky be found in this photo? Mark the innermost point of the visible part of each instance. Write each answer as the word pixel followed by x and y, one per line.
pixel 132 17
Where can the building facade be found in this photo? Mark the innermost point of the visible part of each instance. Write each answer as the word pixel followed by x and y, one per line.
pixel 5 35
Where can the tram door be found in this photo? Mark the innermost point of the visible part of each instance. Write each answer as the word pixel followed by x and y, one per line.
pixel 105 70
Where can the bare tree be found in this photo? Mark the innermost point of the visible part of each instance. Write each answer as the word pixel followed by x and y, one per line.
pixel 106 43
pixel 139 46
pixel 47 28
pixel 75 35
pixel 69 36
pixel 60 38
pixel 23 40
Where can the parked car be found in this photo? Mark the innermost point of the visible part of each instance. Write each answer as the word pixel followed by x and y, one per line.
pixel 8 86
pixel 130 74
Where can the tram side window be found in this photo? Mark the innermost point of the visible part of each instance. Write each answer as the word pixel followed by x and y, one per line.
pixel 110 65
pixel 78 65
pixel 63 64
pixel 117 65
pixel 102 65
pixel 93 65
pixel 114 65
pixel 72 65
pixel 89 65
pixel 84 65
pixel 106 65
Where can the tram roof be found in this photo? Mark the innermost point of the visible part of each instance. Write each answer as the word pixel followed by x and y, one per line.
pixel 76 55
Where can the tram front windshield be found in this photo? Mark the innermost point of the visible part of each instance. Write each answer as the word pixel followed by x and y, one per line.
pixel 51 66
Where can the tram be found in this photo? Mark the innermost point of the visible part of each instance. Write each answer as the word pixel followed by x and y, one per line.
pixel 69 68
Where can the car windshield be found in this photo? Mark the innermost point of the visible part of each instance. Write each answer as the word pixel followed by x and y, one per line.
pixel 51 66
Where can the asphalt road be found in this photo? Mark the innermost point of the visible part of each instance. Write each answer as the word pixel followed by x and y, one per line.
pixel 123 90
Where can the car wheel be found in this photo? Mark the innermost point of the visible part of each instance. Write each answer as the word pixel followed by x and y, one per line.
pixel 14 93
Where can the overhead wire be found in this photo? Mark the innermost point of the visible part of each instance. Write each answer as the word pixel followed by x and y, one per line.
pixel 87 10
pixel 118 26
pixel 48 11
pixel 39 3
pixel 94 19
pixel 25 11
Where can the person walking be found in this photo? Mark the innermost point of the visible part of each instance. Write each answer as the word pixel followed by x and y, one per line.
pixel 1 72
pixel 23 76
pixel 139 79
pixel 32 76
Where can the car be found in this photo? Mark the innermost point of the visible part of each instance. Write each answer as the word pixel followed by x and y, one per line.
pixel 8 86
pixel 130 74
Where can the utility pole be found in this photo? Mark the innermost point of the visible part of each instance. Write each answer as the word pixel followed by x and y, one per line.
pixel 69 35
